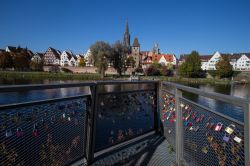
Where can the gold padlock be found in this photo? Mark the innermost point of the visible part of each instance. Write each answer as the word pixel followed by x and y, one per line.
pixel 230 129
pixel 205 149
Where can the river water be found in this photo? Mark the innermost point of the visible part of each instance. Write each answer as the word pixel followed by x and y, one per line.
pixel 238 90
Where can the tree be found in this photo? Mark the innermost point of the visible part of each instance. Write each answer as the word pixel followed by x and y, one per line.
pixel 192 66
pixel 21 61
pixel 5 60
pixel 82 62
pixel 224 68
pixel 130 62
pixel 119 57
pixel 36 65
pixel 154 69
pixel 166 71
pixel 101 54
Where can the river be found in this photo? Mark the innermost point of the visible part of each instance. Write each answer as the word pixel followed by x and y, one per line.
pixel 238 90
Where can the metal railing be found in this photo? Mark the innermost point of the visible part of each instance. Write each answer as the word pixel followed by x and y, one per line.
pixel 200 135
pixel 60 130
pixel 65 128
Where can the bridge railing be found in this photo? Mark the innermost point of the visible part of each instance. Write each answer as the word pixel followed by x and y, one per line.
pixel 73 121
pixel 201 135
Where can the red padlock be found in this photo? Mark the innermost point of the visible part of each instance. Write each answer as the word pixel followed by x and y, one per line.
pixel 35 133
pixel 19 132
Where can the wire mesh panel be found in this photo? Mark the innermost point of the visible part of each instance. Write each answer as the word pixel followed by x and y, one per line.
pixel 43 133
pixel 168 116
pixel 211 139
pixel 124 115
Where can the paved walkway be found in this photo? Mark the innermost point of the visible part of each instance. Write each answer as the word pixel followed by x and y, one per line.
pixel 153 150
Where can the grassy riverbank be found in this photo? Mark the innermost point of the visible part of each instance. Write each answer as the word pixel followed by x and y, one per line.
pixel 10 75
pixel 188 80
pixel 49 76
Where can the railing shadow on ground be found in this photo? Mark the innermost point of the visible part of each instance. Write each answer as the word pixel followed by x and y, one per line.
pixel 142 152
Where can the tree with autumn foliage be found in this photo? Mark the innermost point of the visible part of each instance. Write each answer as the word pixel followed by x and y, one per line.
pixel 223 68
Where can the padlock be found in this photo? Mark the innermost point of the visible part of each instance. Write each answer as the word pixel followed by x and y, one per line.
pixel 35 133
pixel 230 129
pixel 218 127
pixel 191 128
pixel 196 128
pixel 237 139
pixel 205 149
pixel 226 138
pixel 170 113
pixel 19 132
pixel 35 126
pixel 182 105
pixel 210 138
pixel 63 115
pixel 185 123
pixel 190 124
pixel 69 118
pixel 8 133
pixel 187 117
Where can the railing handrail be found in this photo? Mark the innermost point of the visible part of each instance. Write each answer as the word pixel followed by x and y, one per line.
pixel 15 88
pixel 213 95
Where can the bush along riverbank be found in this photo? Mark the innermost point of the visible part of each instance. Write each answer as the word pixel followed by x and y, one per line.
pixel 192 80
pixel 49 76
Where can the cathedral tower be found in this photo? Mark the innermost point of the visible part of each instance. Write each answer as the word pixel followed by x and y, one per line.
pixel 126 38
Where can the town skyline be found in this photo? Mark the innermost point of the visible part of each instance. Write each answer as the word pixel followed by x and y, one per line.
pixel 228 34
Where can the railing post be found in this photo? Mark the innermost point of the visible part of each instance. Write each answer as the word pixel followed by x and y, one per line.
pixel 92 124
pixel 247 134
pixel 157 108
pixel 178 128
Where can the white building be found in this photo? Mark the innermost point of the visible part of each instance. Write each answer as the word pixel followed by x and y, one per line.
pixel 68 59
pixel 87 57
pixel 52 57
pixel 38 57
pixel 243 63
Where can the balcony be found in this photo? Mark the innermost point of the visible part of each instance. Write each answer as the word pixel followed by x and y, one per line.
pixel 120 123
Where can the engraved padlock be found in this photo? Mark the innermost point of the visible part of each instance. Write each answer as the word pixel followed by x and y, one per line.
pixel 237 139
pixel 230 129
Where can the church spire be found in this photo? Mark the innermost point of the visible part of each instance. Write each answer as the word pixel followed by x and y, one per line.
pixel 126 38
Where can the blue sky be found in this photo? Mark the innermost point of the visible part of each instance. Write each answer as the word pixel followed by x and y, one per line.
pixel 177 26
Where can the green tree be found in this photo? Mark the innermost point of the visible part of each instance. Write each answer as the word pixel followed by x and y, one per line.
pixel 5 60
pixel 192 66
pixel 82 62
pixel 36 65
pixel 154 69
pixel 119 57
pixel 224 68
pixel 101 54
pixel 21 61
pixel 130 62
